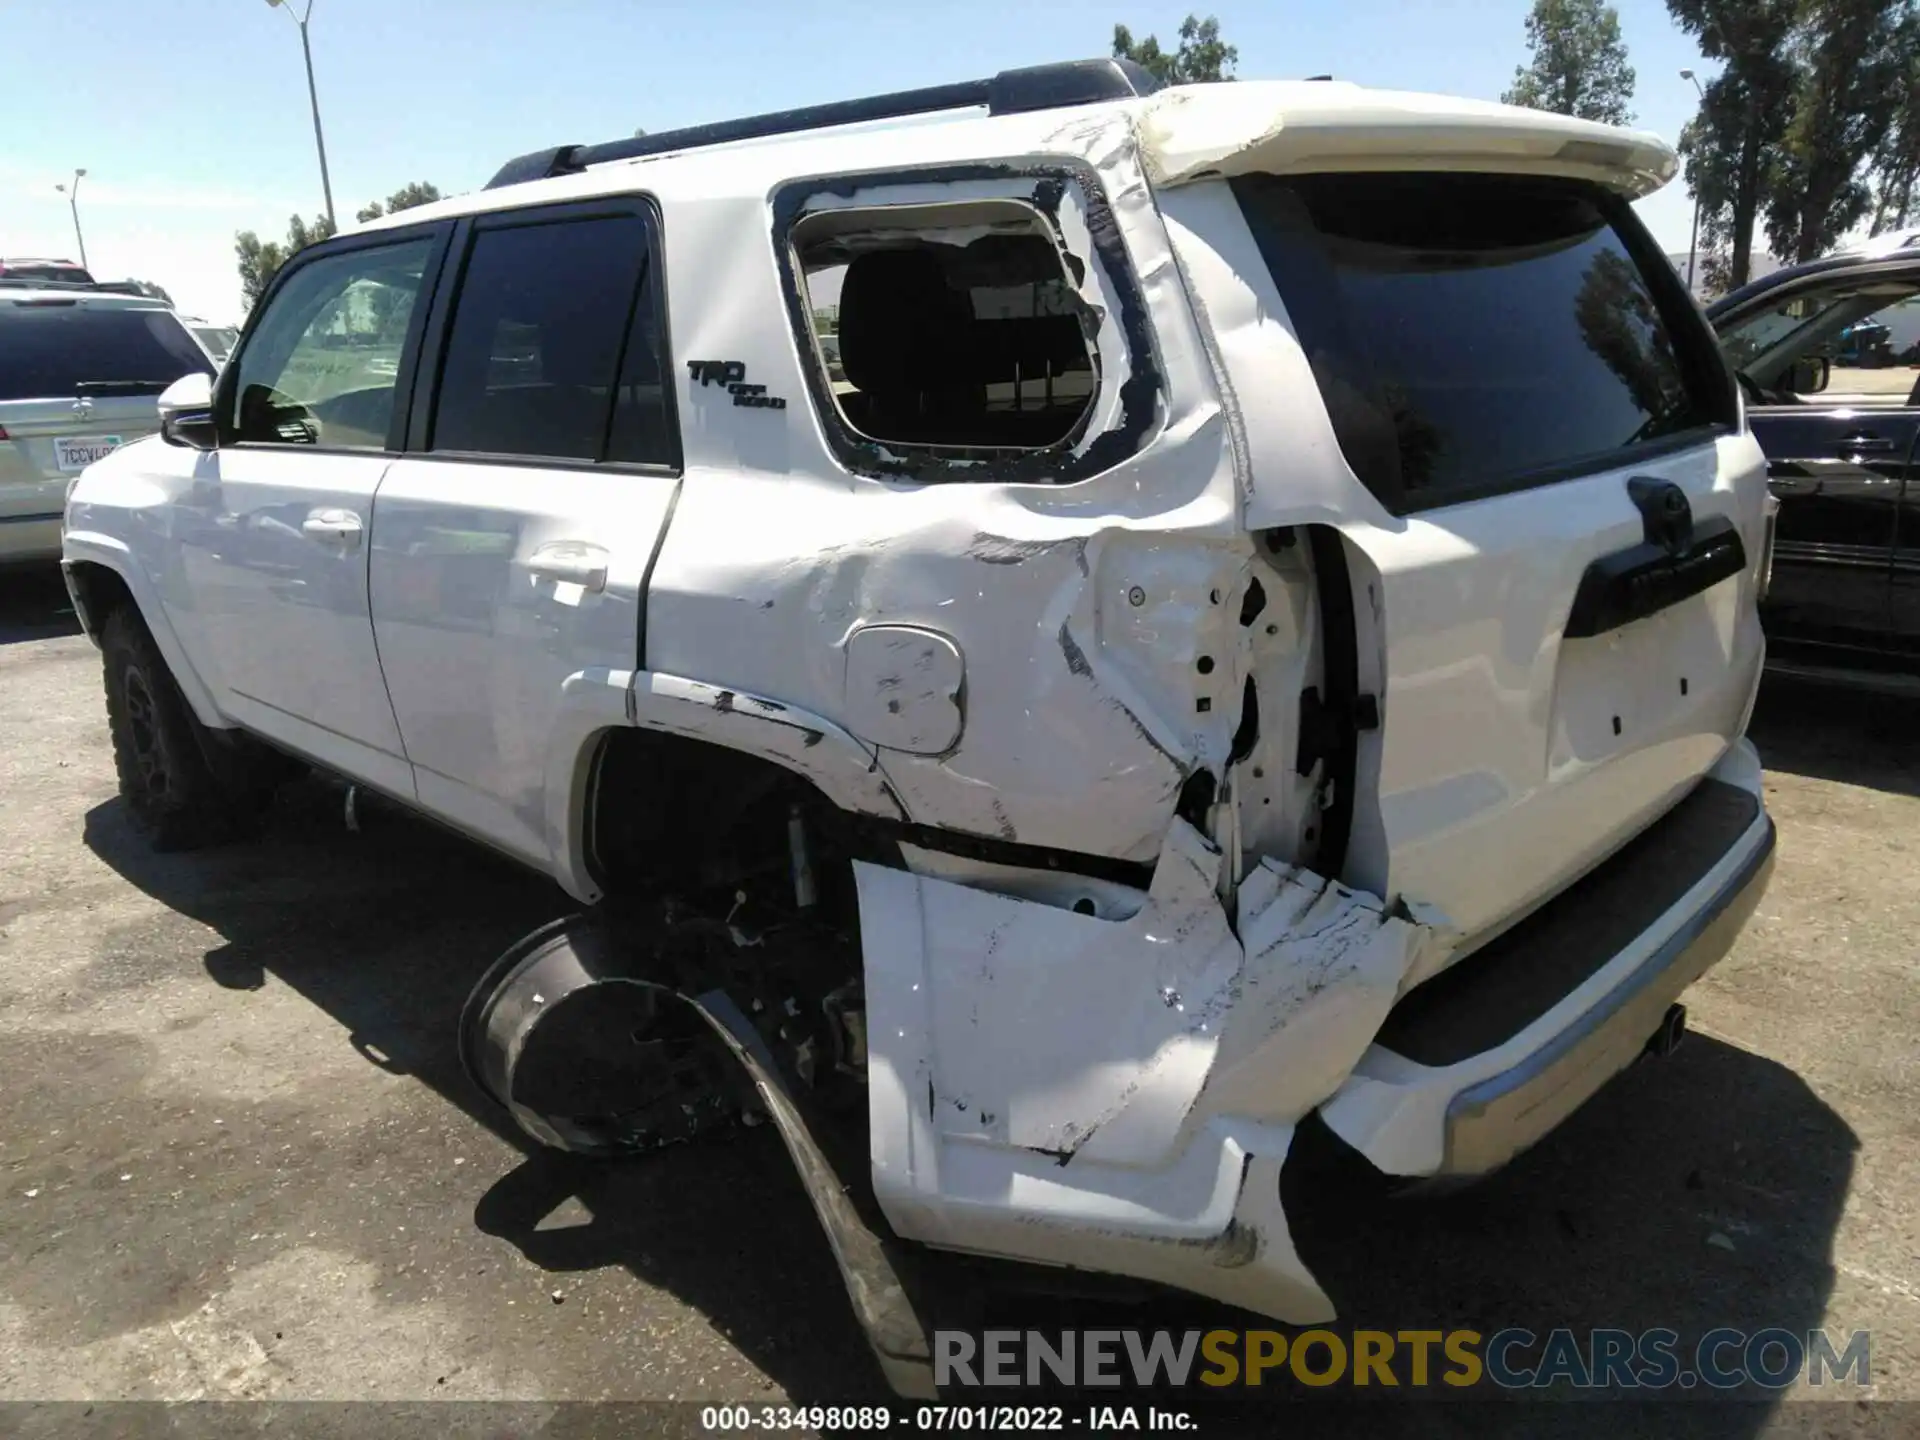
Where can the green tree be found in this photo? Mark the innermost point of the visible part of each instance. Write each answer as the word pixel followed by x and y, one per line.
pixel 260 260
pixel 1847 90
pixel 1579 65
pixel 1733 145
pixel 1202 54
pixel 1897 169
pixel 415 192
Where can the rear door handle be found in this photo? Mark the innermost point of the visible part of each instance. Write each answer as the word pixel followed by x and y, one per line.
pixel 332 527
pixel 1866 444
pixel 570 562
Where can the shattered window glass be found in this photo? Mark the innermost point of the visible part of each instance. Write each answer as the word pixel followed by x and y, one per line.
pixel 957 337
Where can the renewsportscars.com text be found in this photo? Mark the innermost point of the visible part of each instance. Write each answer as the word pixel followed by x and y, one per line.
pixel 1511 1359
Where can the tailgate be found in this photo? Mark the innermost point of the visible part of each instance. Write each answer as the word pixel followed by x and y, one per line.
pixel 1550 513
pixel 1512 756
pixel 49 442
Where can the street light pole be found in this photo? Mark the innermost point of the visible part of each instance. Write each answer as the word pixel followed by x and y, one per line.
pixel 313 97
pixel 1693 247
pixel 73 201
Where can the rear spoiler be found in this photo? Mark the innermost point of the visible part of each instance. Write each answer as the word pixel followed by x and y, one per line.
pixel 1280 127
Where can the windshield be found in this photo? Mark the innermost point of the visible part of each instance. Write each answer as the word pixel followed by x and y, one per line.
pixel 50 348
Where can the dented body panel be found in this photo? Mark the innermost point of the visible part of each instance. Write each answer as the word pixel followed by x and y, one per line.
pixel 1076 638
pixel 1118 1094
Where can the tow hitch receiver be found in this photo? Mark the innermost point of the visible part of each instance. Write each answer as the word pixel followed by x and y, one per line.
pixel 592 1058
pixel 1673 1029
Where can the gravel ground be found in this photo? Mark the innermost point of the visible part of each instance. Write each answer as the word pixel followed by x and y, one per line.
pixel 238 1158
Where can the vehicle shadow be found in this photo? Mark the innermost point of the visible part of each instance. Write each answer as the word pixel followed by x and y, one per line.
pixel 1622 1219
pixel 1824 733
pixel 386 931
pixel 1696 1192
pixel 34 604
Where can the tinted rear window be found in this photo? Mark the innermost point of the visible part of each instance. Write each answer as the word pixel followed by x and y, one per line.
pixel 48 350
pixel 1473 334
pixel 554 350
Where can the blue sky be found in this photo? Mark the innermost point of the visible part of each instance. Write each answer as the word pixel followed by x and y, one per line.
pixel 192 122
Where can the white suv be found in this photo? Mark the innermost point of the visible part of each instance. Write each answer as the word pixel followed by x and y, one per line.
pixel 1259 622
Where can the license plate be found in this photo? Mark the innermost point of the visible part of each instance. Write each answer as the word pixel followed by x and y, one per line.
pixel 76 454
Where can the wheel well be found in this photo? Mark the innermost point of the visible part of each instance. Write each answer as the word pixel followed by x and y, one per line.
pixel 669 814
pixel 98 590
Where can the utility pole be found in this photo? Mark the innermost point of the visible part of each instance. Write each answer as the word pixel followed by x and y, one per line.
pixel 72 193
pixel 1693 248
pixel 313 97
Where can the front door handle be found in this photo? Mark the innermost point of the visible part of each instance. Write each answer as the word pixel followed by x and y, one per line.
pixel 570 562
pixel 332 527
pixel 1866 444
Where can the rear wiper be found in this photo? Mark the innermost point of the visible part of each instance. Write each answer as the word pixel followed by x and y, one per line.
pixel 120 387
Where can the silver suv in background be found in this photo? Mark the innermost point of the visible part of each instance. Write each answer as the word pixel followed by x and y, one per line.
pixel 79 371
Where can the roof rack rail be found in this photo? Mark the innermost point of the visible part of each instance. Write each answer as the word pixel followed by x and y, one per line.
pixel 1011 92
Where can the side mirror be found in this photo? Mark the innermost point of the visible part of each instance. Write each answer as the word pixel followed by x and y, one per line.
pixel 1810 374
pixel 186 412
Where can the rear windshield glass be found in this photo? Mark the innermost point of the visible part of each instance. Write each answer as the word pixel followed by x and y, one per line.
pixel 1475 333
pixel 49 349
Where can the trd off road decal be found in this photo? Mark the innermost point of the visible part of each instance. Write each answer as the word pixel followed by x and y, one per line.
pixel 733 375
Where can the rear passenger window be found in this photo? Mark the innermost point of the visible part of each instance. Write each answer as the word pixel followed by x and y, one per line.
pixel 554 351
pixel 953 330
pixel 1478 333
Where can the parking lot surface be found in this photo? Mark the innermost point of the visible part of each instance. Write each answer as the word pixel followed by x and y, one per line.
pixel 238 1158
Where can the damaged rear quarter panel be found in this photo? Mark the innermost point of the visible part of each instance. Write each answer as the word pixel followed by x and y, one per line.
pixel 1079 612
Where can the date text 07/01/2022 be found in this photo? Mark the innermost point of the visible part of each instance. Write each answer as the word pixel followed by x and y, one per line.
pixel 760 1419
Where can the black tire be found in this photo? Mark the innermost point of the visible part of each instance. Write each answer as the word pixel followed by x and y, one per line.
pixel 165 759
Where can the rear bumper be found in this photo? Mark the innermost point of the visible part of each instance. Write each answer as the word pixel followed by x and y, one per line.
pixel 1452 1088
pixel 1493 1121
pixel 26 538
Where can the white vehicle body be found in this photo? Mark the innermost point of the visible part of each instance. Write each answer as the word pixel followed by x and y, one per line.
pixel 1099 1064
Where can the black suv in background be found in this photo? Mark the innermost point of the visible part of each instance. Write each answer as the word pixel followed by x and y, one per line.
pixel 1828 354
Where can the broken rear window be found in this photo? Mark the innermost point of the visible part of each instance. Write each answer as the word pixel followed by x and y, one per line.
pixel 1473 334
pixel 947 328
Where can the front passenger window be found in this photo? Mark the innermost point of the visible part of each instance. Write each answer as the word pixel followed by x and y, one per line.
pixel 323 362
pixel 1853 346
